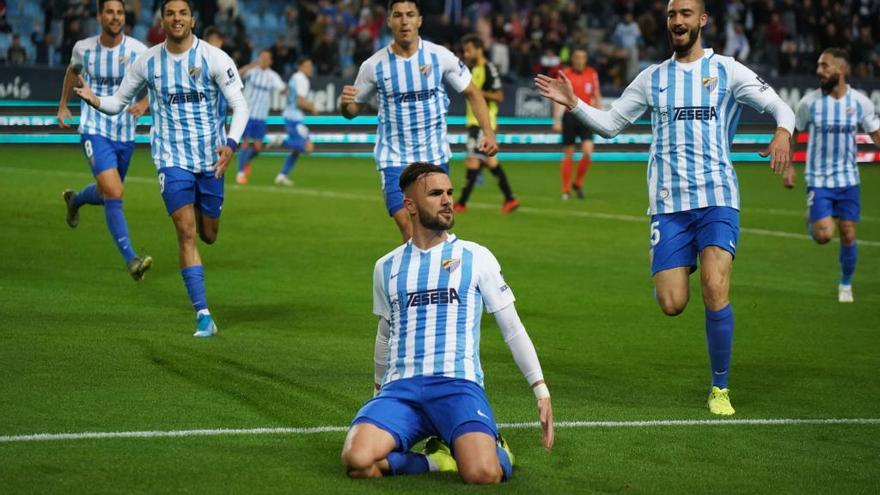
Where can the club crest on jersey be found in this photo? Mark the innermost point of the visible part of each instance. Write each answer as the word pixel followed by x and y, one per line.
pixel 850 110
pixel 123 59
pixel 425 69
pixel 451 264
pixel 710 83
pixel 194 72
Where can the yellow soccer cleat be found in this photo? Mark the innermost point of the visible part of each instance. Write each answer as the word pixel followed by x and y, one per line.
pixel 503 444
pixel 719 402
pixel 440 456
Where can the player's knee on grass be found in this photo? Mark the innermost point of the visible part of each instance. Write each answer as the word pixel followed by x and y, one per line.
pixel 358 463
pixel 482 472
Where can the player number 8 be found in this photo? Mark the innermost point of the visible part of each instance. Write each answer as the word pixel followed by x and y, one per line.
pixel 161 183
pixel 655 233
pixel 87 146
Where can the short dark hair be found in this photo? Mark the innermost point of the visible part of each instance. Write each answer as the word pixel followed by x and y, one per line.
pixel 580 48
pixel 303 59
pixel 101 4
pixel 416 170
pixel 836 52
pixel 392 2
pixel 166 2
pixel 212 31
pixel 472 39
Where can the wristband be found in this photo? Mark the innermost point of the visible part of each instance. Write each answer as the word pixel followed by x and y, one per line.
pixel 541 391
pixel 231 143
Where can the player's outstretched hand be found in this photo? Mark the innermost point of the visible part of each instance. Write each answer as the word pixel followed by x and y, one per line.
pixel 223 161
pixel 85 93
pixel 488 145
pixel 545 415
pixel 779 151
pixel 790 178
pixel 139 108
pixel 558 90
pixel 348 95
pixel 65 118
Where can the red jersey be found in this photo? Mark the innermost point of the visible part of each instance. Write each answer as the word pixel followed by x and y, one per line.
pixel 585 83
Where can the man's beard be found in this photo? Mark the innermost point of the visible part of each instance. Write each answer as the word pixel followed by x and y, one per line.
pixel 830 83
pixel 435 222
pixel 693 34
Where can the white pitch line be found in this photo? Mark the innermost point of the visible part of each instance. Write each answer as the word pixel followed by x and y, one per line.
pixel 94 435
pixel 483 206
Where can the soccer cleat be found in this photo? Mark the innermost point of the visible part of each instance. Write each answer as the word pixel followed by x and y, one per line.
pixel 509 206
pixel 503 444
pixel 719 402
pixel 460 208
pixel 565 196
pixel 844 293
pixel 241 179
pixel 578 191
pixel 69 196
pixel 283 180
pixel 205 326
pixel 138 266
pixel 439 453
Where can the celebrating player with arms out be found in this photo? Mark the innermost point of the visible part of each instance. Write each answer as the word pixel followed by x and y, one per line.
pixel 695 99
pixel 832 116
pixel 108 141
pixel 408 77
pixel 429 294
pixel 185 76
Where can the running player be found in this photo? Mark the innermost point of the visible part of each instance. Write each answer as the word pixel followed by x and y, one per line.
pixel 185 76
pixel 297 138
pixel 695 99
pixel 260 83
pixel 585 82
pixel 429 294
pixel 486 78
pixel 408 76
pixel 108 141
pixel 832 115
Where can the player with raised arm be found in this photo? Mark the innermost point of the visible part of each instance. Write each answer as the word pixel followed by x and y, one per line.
pixel 429 295
pixel 185 77
pixel 108 141
pixel 695 98
pixel 407 76
pixel 297 137
pixel 260 83
pixel 832 116
pixel 585 82
pixel 486 78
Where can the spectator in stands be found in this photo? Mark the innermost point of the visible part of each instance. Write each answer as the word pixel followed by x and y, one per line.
pixel 737 44
pixel 326 55
pixel 156 35
pixel 627 36
pixel 45 48
pixel 16 54
pixel 283 57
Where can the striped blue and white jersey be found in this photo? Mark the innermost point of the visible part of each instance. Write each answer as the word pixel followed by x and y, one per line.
pixel 259 86
pixel 833 125
pixel 185 92
pixel 412 102
pixel 103 69
pixel 297 87
pixel 695 108
pixel 433 301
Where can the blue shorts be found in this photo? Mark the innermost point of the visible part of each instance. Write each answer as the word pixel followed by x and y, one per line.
pixel 297 135
pixel 181 187
pixel 412 409
pixel 104 154
pixel 838 202
pixel 390 177
pixel 678 238
pixel 255 129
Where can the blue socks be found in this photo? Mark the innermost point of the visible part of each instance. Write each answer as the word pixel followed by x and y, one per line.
pixel 244 157
pixel 407 463
pixel 289 163
pixel 118 227
pixel 719 337
pixel 848 255
pixel 506 465
pixel 88 196
pixel 194 279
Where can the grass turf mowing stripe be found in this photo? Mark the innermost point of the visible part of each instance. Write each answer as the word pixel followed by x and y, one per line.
pixel 92 435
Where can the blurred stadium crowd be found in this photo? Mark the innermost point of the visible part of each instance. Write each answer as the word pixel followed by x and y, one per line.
pixel 524 37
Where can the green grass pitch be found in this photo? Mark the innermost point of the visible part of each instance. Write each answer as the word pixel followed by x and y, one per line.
pixel 83 348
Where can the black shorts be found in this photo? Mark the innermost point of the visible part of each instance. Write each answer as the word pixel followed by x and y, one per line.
pixel 572 128
pixel 473 143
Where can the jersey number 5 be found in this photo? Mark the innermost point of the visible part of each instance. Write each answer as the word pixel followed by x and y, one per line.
pixel 655 233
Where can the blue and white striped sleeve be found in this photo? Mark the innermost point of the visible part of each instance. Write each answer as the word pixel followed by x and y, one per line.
pixel 365 81
pixel 870 122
